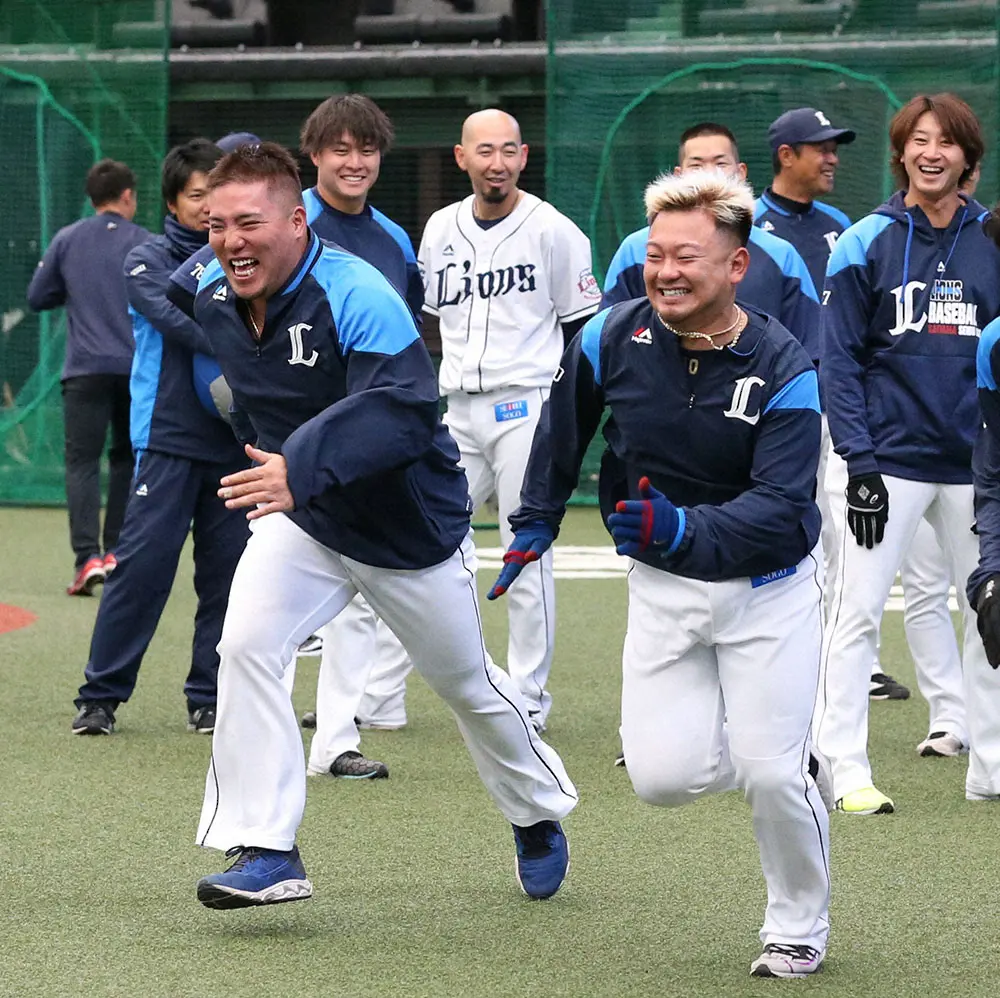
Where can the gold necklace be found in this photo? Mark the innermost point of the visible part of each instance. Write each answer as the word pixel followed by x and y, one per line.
pixel 739 324
pixel 253 322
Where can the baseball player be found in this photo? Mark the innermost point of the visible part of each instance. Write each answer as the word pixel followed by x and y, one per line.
pixel 908 289
pixel 181 452
pixel 777 282
pixel 82 270
pixel 356 488
pixel 804 151
pixel 509 280
pixel 722 647
pixel 346 137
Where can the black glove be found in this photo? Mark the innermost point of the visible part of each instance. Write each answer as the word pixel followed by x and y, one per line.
pixel 867 508
pixel 988 618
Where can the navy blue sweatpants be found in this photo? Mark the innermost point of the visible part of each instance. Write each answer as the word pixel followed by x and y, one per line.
pixel 170 495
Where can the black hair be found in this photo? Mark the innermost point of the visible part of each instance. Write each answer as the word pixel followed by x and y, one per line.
pixel 266 161
pixel 107 181
pixel 796 147
pixel 196 156
pixel 706 128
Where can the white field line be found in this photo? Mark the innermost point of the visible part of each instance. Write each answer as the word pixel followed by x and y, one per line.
pixel 578 562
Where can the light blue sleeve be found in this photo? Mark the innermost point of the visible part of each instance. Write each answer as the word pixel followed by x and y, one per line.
pixel 398 233
pixel 590 341
pixel 212 272
pixel 631 253
pixel 368 312
pixel 851 249
pixel 802 392
pixel 984 368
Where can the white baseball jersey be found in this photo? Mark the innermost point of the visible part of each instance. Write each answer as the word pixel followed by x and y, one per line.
pixel 500 293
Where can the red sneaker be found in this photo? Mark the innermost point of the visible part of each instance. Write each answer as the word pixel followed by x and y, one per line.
pixel 110 563
pixel 89 576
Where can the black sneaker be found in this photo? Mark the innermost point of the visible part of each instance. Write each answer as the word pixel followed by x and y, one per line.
pixel 620 759
pixel 309 719
pixel 94 718
pixel 354 766
pixel 201 720
pixel 884 687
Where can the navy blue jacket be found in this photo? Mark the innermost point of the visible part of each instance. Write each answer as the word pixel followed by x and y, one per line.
pixel 370 235
pixel 904 305
pixel 730 436
pixel 166 413
pixel 341 384
pixel 812 228
pixel 986 460
pixel 777 282
pixel 82 269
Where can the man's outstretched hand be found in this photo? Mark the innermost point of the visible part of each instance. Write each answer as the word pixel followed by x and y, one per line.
pixel 529 544
pixel 263 487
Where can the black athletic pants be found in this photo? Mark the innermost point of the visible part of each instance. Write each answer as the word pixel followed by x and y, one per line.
pixel 92 403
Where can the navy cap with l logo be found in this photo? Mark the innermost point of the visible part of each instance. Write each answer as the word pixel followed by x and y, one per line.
pixel 805 124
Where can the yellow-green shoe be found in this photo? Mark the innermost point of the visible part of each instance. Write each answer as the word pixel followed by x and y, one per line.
pixel 867 800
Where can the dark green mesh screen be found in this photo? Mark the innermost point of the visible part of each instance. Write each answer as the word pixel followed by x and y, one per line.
pixel 71 90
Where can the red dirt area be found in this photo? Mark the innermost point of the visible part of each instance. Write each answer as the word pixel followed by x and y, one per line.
pixel 13 617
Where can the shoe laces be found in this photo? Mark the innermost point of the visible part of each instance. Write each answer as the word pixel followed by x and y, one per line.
pixel 797 952
pixel 243 854
pixel 535 840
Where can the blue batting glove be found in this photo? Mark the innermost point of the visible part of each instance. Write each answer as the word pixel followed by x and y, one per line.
pixel 650 522
pixel 529 544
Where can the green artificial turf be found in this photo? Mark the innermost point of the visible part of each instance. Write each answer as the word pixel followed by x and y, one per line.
pixel 414 884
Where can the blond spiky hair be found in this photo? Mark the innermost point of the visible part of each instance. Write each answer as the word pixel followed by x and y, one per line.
pixel 726 198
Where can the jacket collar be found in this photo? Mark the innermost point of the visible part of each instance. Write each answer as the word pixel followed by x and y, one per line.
pixel 187 241
pixel 314 247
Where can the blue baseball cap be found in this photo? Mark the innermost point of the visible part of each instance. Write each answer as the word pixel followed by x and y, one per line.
pixel 805 124
pixel 233 141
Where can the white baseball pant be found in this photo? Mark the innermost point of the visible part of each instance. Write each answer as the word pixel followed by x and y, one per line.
pixel 719 681
pixel 256 784
pixel 840 726
pixel 925 575
pixel 829 493
pixel 383 704
pixel 495 451
pixel 352 644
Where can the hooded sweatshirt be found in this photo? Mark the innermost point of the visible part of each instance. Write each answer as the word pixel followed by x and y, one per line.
pixel 904 305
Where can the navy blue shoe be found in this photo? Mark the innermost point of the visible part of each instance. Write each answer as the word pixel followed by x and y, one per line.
pixel 258 876
pixel 542 858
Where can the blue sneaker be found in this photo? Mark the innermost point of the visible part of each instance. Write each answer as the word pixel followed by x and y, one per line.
pixel 258 876
pixel 542 858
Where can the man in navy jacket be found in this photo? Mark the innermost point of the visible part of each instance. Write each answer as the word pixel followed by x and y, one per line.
pixel 356 487
pixel 182 451
pixel 82 270
pixel 908 290
pixel 707 484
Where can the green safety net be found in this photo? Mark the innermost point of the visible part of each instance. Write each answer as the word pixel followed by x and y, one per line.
pixel 78 81
pixel 624 81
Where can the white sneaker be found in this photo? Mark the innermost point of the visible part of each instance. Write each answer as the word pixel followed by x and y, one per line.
pixel 786 960
pixel 380 723
pixel 941 743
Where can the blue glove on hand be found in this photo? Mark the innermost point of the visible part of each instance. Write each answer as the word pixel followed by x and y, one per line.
pixel 652 521
pixel 529 544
